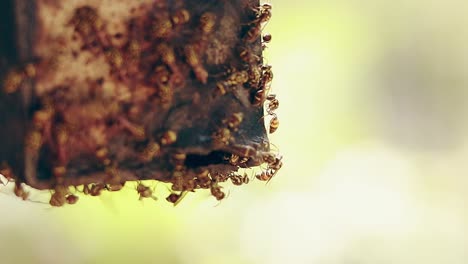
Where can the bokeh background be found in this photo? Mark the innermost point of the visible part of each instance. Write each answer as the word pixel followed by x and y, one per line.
pixel 373 132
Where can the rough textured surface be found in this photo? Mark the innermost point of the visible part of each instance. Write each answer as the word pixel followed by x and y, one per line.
pixel 102 92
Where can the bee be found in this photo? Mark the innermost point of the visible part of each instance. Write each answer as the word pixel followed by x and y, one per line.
pixel 20 192
pixel 176 198
pixel 193 59
pixel 180 17
pixel 86 20
pixel 152 150
pixel 168 138
pixel 274 124
pixel 145 192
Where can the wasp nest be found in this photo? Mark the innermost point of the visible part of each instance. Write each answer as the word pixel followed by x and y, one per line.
pixel 99 92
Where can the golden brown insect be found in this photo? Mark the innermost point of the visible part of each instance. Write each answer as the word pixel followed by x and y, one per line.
pixel 59 171
pixel 86 21
pixel 34 141
pixel 222 136
pixel 267 75
pixel 94 189
pixel 274 124
pixel 259 97
pixel 266 38
pixel 168 138
pixel 207 22
pixel 264 175
pixel 7 172
pixel 71 199
pixel 20 192
pixel 162 26
pixel 203 179
pixel 12 81
pixel 179 158
pixel 176 198
pixel 234 120
pixel 244 151
pixel 193 59
pixel 114 57
pixel 114 187
pixel 145 192
pixel 151 151
pixel 273 104
pixel 238 77
pixel 102 155
pixel 58 198
pixel 217 192
pixel 180 16
pixel 236 180
pixel 248 56
pixel 264 13
pixel 168 57
pixel 253 34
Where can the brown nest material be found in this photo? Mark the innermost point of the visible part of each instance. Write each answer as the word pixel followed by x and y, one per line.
pixel 101 92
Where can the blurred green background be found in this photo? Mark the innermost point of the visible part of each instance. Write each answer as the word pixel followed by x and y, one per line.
pixel 372 111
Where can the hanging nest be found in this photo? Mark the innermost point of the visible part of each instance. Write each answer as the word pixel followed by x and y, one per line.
pixel 96 93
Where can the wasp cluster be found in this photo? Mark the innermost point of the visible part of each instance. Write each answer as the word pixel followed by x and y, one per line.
pixel 183 91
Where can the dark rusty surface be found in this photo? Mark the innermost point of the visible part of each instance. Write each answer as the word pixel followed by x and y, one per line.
pixel 172 94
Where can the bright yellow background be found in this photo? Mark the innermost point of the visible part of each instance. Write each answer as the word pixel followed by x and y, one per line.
pixel 372 105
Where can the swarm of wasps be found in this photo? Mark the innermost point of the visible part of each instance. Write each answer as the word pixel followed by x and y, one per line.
pixel 125 63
